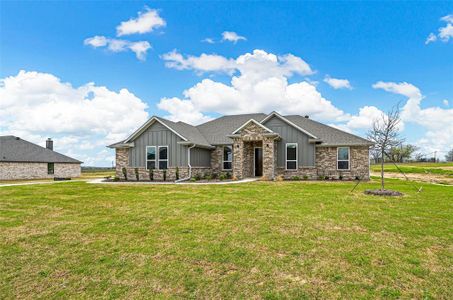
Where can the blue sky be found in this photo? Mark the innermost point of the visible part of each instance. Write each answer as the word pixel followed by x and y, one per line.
pixel 362 42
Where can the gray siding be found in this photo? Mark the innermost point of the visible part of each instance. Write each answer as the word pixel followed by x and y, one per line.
pixel 158 135
pixel 200 157
pixel 289 134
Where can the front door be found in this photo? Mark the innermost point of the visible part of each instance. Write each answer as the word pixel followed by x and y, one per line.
pixel 258 162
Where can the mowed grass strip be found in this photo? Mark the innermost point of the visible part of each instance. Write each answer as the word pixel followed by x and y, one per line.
pixel 417 168
pixel 255 240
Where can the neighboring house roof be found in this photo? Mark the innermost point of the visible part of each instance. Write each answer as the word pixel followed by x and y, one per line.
pixel 15 149
pixel 329 136
pixel 218 131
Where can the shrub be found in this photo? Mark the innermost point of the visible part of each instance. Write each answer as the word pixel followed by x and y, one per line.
pixel 305 177
pixel 136 174
pixel 177 173
pixel 357 178
pixel 214 175
pixel 208 177
pixel 340 177
pixel 116 178
pixel 321 177
pixel 193 179
pixel 295 178
pixel 164 173
pixel 124 170
pixel 222 176
pixel 280 178
pixel 229 175
pixel 151 174
pixel 197 176
pixel 326 177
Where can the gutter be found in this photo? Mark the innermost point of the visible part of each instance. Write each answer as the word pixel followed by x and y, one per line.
pixel 188 164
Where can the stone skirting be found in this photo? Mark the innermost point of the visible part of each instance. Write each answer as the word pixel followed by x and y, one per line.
pixel 159 174
pixel 15 170
pixel 310 172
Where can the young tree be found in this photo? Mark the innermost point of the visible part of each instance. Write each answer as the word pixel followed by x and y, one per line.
pixel 384 134
pixel 449 156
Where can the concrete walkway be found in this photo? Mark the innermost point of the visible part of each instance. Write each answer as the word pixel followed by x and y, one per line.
pixel 38 182
pixel 101 181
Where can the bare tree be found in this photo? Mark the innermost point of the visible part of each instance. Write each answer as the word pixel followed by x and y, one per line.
pixel 384 134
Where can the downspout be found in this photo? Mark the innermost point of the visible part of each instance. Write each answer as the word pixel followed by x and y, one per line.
pixel 188 164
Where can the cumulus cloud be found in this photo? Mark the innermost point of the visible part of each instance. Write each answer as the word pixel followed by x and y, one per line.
pixel 445 102
pixel 259 82
pixel 445 32
pixel 338 83
pixel 231 36
pixel 208 40
pixel 82 120
pixel 116 45
pixel 146 22
pixel 437 121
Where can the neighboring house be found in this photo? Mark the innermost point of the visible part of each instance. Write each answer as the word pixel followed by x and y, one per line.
pixel 248 145
pixel 20 159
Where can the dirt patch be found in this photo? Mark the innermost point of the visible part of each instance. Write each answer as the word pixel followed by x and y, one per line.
pixel 431 178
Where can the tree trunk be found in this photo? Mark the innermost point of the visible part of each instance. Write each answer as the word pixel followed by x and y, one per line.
pixel 382 170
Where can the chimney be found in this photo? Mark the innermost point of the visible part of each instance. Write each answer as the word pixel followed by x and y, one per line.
pixel 49 144
pixel 307 117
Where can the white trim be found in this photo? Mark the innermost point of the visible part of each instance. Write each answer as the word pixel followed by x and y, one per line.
pixel 348 160
pixel 158 158
pixel 274 113
pixel 286 157
pixel 147 125
pixel 146 157
pixel 254 121
pixel 223 158
pixel 262 153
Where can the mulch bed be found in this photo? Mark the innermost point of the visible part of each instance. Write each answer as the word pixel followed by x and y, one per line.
pixel 383 193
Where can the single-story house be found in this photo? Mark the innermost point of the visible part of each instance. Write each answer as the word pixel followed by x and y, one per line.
pixel 20 159
pixel 249 145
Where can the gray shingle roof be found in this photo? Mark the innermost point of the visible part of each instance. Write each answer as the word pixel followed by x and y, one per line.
pixel 216 131
pixel 14 149
pixel 329 136
pixel 190 132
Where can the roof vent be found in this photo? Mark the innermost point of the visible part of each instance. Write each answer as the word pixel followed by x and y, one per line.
pixel 49 144
pixel 17 138
pixel 307 117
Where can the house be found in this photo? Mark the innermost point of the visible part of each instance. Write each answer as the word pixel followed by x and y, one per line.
pixel 249 145
pixel 20 159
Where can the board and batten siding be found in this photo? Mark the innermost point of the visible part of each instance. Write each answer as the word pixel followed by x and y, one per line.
pixel 158 135
pixel 289 134
pixel 200 157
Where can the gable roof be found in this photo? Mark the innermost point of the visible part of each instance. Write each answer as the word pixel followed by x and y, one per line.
pixel 252 121
pixel 328 135
pixel 15 149
pixel 277 115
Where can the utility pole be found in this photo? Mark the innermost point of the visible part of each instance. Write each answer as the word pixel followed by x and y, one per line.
pixel 435 152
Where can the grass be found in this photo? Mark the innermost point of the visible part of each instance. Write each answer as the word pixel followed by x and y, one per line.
pixel 254 240
pixel 418 168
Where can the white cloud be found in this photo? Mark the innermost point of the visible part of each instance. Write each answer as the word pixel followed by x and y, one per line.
pixel 231 36
pixel 81 119
pixel 445 33
pixel 116 45
pixel 437 121
pixel 208 40
pixel 338 83
pixel 145 22
pixel 259 82
pixel 364 120
pixel 445 102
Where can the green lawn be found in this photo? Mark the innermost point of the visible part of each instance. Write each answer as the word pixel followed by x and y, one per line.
pixel 418 168
pixel 255 240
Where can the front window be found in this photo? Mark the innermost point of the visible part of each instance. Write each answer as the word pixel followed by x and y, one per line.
pixel 150 157
pixel 163 157
pixel 291 156
pixel 227 157
pixel 50 168
pixel 343 158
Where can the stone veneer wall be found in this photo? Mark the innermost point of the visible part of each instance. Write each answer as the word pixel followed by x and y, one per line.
pixel 326 162
pixel 122 160
pixel 25 170
pixel 217 159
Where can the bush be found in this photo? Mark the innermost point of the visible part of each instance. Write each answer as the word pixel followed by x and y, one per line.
pixel 136 174
pixel 340 177
pixel 305 177
pixel 116 178
pixel 197 176
pixel 295 178
pixel 321 177
pixel 124 170
pixel 222 176
pixel 151 174
pixel 164 173
pixel 208 177
pixel 229 175
pixel 280 178
pixel 214 175
pixel 357 178
pixel 326 177
pixel 193 179
pixel 177 173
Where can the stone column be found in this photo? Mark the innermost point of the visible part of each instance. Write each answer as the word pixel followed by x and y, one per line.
pixel 238 159
pixel 268 158
pixel 121 160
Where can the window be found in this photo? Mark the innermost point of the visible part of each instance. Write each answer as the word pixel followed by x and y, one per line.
pixel 291 156
pixel 227 157
pixel 50 168
pixel 150 157
pixel 163 157
pixel 343 158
